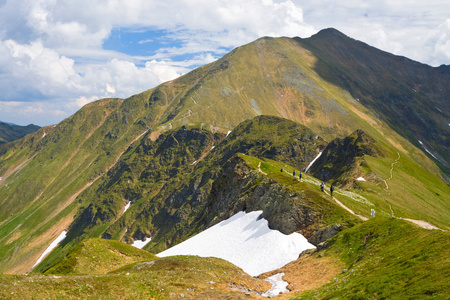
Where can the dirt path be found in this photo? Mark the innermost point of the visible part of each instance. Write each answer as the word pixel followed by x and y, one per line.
pixel 349 210
pixel 392 171
pixel 259 169
pixel 421 223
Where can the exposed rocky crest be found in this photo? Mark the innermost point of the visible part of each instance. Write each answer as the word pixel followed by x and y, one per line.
pixel 341 160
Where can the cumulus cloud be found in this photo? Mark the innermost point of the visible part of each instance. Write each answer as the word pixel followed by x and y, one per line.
pixel 34 75
pixel 416 29
pixel 52 51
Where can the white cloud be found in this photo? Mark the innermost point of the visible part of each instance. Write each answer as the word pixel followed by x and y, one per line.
pixel 41 61
pixel 45 75
pixel 24 113
pixel 412 28
pixel 442 42
pixel 54 49
pixel 82 101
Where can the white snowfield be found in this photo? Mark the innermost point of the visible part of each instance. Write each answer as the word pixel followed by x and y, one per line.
pixel 245 240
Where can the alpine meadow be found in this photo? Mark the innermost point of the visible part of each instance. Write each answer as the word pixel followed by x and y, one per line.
pixel 258 130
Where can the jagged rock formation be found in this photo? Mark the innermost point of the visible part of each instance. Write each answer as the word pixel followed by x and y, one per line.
pixel 341 160
pixel 239 188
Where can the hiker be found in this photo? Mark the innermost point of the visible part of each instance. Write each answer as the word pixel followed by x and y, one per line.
pixel 300 175
pixel 322 186
pixel 293 173
pixel 331 190
pixel 281 170
pixel 372 212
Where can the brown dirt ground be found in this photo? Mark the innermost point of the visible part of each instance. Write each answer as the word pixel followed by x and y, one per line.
pixel 310 271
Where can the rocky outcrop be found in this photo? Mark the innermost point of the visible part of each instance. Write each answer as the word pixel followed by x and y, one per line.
pixel 341 159
pixel 239 188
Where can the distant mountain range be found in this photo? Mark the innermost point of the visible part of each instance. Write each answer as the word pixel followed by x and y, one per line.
pixel 10 132
pixel 227 137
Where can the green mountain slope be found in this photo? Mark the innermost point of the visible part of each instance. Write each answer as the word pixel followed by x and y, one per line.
pixel 99 256
pixel 412 98
pixel 386 259
pixel 80 174
pixel 9 132
pixel 168 181
pixel 179 185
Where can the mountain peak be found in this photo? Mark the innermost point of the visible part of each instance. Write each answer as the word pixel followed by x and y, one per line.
pixel 329 33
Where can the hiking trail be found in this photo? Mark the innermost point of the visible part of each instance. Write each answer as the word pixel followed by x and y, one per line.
pixel 420 223
pixel 391 171
pixel 259 169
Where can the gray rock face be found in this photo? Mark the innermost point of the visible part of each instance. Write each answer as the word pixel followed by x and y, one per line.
pixel 238 188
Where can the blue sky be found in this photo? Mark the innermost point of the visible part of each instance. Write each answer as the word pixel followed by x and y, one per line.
pixel 56 56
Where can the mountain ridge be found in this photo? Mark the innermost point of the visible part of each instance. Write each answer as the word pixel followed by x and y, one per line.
pixel 10 132
pixel 421 89
pixel 172 152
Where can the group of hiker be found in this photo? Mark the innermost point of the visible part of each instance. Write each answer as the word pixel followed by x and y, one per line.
pixel 322 185
pixel 300 174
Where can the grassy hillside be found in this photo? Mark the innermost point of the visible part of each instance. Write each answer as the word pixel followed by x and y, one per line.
pixel 99 256
pixel 387 258
pixel 166 278
pixel 169 180
pixel 408 96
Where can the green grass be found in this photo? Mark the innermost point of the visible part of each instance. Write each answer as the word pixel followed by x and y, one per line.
pixel 99 256
pixel 388 259
pixel 328 210
pixel 166 278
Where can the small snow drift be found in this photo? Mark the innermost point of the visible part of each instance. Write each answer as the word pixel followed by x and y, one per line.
pixel 245 240
pixel 360 179
pixel 126 207
pixel 141 244
pixel 52 246
pixel 313 161
pixel 278 285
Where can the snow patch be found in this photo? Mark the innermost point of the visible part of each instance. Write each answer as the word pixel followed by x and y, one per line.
pixel 360 179
pixel 311 163
pixel 141 244
pixel 430 153
pixel 44 134
pixel 278 285
pixel 126 207
pixel 194 162
pixel 245 240
pixel 52 246
pixel 212 148
pixel 228 133
pixel 420 142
